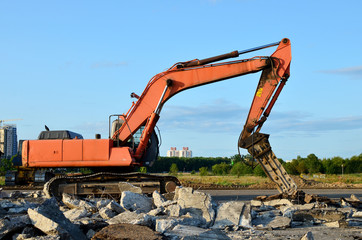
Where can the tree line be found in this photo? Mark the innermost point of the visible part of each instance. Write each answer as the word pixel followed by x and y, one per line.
pixel 236 165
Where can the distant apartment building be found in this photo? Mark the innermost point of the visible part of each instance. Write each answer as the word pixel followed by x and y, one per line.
pixel 185 152
pixel 8 141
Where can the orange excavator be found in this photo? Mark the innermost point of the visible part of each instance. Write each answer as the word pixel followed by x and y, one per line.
pixel 133 141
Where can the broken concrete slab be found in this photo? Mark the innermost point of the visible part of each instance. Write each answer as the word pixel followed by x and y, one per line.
pixel 278 202
pixel 6 204
pixel 100 202
pixel 354 222
pixel 288 211
pixel 174 210
pixel 158 199
pixel 49 219
pixel 357 214
pixel 328 214
pixel 135 202
pixel 191 232
pixel 76 213
pixel 256 203
pixel 165 223
pixel 196 203
pixel 168 203
pixel 131 218
pixel 279 222
pixel 93 222
pixel 73 202
pixel 335 224
pixel 246 219
pixel 125 186
pixel 116 207
pixel 270 220
pixel 156 212
pixel 107 213
pixel 228 214
pixel 162 225
pixel 351 202
pixel 13 224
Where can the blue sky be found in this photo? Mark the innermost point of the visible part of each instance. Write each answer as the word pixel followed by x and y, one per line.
pixel 70 64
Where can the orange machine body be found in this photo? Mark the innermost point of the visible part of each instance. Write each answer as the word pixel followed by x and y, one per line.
pixel 74 153
pixel 145 112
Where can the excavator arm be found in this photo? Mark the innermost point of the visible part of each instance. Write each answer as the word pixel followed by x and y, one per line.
pixel 186 75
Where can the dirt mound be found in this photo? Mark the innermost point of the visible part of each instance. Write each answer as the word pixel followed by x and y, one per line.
pixel 126 231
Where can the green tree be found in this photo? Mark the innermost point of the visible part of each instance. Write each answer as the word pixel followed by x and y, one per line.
pixel 354 165
pixel 301 167
pixel 313 164
pixel 258 171
pixel 203 171
pixel 237 169
pixel 6 164
pixel 291 167
pixel 173 169
pixel 221 169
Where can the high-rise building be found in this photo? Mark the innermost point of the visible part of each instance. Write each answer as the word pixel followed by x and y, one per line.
pixel 8 141
pixel 185 152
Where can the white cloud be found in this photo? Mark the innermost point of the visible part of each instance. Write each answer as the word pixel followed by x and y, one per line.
pixel 226 117
pixel 353 72
pixel 108 65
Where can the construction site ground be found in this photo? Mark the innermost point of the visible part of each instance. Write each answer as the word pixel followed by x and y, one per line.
pixel 321 227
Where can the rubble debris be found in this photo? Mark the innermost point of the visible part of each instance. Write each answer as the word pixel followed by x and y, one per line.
pixel 132 218
pixel 76 213
pixel 279 222
pixel 307 236
pixel 189 214
pixel 13 224
pixel 72 202
pixel 125 186
pixel 228 214
pixel 135 202
pixel 191 232
pixel 198 204
pixel 49 219
pixel 158 199
pixel 246 218
pixel 352 202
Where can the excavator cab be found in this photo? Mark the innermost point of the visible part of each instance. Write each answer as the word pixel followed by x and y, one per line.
pixel 152 150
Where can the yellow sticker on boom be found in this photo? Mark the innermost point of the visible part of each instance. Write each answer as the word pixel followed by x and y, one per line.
pixel 259 92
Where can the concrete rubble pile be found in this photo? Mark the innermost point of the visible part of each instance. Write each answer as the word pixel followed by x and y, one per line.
pixel 186 214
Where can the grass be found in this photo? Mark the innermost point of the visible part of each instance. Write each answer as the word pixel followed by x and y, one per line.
pixel 2 180
pixel 355 178
pixel 251 180
pixel 221 180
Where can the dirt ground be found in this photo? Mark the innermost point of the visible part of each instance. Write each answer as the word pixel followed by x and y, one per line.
pixel 126 231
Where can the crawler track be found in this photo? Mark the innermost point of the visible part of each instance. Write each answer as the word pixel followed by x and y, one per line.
pixel 107 183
